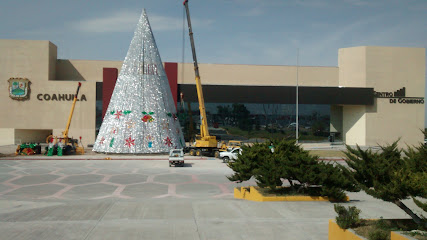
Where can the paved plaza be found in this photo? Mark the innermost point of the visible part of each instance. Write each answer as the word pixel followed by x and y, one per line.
pixel 141 197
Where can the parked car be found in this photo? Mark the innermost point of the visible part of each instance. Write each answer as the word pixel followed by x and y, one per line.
pixel 176 157
pixel 230 154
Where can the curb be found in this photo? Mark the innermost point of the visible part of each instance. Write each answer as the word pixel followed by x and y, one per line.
pixel 252 194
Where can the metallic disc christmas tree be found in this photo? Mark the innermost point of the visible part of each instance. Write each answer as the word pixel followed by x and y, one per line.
pixel 141 116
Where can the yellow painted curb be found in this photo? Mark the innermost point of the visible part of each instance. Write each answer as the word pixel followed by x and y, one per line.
pixel 337 233
pixel 253 194
pixel 398 236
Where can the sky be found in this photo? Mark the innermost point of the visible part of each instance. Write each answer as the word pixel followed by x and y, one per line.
pixel 264 32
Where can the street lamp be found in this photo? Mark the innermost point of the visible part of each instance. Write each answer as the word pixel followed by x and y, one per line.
pixel 296 134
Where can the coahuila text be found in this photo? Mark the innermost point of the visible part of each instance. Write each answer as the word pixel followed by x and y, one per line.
pixel 59 97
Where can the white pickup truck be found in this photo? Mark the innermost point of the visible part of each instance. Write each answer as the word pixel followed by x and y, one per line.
pixel 176 157
pixel 230 154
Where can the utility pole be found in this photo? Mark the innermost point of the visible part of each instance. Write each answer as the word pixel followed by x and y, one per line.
pixel 296 134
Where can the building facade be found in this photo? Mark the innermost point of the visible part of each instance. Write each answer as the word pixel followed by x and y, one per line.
pixel 374 96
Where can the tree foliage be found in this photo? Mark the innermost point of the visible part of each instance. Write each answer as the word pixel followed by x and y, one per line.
pixel 347 217
pixel 241 116
pixel 388 175
pixel 289 163
pixel 247 162
pixel 318 127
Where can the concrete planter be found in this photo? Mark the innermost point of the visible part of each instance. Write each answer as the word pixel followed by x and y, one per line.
pixel 253 194
pixel 337 233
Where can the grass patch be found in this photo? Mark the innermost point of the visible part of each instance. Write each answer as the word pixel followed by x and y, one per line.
pixel 311 137
pixel 367 228
pixel 327 153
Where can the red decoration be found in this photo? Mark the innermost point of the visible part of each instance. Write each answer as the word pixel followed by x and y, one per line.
pixel 118 114
pixel 101 141
pixel 168 141
pixel 147 118
pixel 130 142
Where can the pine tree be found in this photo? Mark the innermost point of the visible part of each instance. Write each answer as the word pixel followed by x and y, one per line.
pixel 416 158
pixel 388 176
pixel 141 115
pixel 246 163
pixel 290 162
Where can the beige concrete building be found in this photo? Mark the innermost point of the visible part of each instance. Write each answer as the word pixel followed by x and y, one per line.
pixel 376 94
pixel 397 76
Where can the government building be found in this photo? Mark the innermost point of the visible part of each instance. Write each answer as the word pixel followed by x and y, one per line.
pixel 374 96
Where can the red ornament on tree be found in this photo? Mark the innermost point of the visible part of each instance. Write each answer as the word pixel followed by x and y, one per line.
pixel 130 142
pixel 118 114
pixel 168 141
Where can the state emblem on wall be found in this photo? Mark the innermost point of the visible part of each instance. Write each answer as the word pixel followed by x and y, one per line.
pixel 19 88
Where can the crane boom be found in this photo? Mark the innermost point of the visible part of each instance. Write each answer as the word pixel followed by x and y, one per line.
pixel 205 139
pixel 65 133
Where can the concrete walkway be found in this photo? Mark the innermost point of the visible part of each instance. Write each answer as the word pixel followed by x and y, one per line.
pixel 130 199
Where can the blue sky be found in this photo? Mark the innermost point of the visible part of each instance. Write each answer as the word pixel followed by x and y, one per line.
pixel 266 32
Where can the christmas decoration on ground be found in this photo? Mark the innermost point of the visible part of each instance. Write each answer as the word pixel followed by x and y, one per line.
pixel 141 116
pixel 28 149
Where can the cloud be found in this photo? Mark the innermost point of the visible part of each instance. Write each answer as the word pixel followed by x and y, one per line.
pixel 254 12
pixel 126 20
pixel 312 3
pixel 337 3
pixel 418 6
pixel 358 2
pixel 341 34
pixel 122 21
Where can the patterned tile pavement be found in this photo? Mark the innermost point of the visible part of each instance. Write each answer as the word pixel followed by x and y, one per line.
pixel 136 199
pixel 103 179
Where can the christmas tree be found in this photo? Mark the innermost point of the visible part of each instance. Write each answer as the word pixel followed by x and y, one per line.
pixel 141 116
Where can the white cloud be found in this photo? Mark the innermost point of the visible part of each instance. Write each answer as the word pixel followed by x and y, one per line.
pixel 254 12
pixel 418 6
pixel 338 3
pixel 126 20
pixel 358 2
pixel 122 21
pixel 313 3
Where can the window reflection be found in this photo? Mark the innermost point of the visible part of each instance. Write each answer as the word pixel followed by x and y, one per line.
pixel 243 121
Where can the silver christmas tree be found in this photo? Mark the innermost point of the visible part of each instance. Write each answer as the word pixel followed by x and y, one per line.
pixel 141 116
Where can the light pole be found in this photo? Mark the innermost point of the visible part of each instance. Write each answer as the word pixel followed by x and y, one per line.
pixel 296 134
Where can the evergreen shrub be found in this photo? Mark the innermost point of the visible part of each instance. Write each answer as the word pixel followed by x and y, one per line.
pixel 379 234
pixel 291 164
pixel 390 175
pixel 347 217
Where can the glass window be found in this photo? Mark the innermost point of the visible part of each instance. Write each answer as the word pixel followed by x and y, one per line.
pixel 251 121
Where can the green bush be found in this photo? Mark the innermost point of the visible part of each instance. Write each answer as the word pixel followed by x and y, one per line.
pixel 292 163
pixel 347 217
pixel 389 176
pixel 422 205
pixel 379 234
pixel 246 163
